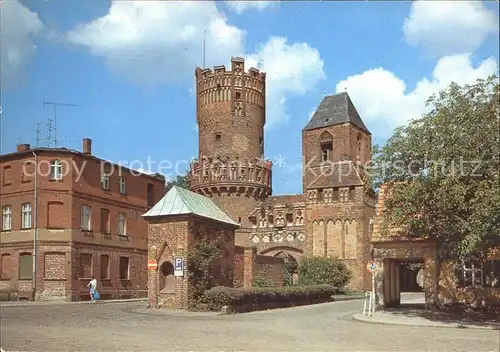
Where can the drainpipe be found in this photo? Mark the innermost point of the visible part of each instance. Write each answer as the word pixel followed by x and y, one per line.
pixel 35 231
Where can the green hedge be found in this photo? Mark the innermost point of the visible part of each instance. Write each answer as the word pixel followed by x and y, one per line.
pixel 321 270
pixel 220 296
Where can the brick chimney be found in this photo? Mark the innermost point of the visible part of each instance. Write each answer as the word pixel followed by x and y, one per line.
pixel 23 147
pixel 87 146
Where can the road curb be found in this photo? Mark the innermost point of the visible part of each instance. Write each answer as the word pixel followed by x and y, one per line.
pixel 54 303
pixel 368 319
pixel 347 298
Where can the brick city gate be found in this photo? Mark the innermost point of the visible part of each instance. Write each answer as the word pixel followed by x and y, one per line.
pixel 389 255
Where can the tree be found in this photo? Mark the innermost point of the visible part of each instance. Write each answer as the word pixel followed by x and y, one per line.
pixel 443 171
pixel 321 270
pixel 180 181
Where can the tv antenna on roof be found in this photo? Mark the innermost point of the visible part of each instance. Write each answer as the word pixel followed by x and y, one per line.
pixel 55 105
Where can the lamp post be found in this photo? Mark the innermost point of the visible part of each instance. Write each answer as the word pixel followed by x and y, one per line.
pixel 35 230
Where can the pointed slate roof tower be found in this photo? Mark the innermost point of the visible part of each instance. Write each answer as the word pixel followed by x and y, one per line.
pixel 180 201
pixel 335 110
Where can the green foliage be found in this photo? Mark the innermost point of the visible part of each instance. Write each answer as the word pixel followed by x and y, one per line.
pixel 180 181
pixel 287 277
pixel 200 261
pixel 445 166
pixel 220 296
pixel 319 270
pixel 289 268
pixel 262 280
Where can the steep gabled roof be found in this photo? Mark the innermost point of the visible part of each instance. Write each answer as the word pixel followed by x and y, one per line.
pixel 180 201
pixel 335 110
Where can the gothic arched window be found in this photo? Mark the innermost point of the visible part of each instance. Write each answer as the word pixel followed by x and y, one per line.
pixel 326 146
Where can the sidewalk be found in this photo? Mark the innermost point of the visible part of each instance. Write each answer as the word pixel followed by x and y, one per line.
pixel 54 302
pixel 416 318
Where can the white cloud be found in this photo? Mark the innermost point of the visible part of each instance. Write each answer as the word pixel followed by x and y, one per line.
pixel 159 42
pixel 19 26
pixel 449 27
pixel 156 42
pixel 383 101
pixel 241 6
pixel 290 69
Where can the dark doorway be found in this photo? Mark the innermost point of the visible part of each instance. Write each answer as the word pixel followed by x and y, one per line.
pixel 411 277
pixel 167 279
pixel 411 284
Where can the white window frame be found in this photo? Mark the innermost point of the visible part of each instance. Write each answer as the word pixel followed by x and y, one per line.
pixel 7 218
pixel 26 216
pixel 474 273
pixel 56 170
pixel 122 224
pixel 123 185
pixel 492 278
pixel 105 181
pixel 86 218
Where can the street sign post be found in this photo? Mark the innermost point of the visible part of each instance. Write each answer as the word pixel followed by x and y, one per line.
pixel 152 264
pixel 179 267
pixel 372 268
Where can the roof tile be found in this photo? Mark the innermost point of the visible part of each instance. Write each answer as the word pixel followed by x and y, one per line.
pixel 180 201
pixel 335 110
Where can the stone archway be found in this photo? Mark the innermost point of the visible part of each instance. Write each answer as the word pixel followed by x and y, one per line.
pixel 287 257
pixel 293 252
pixel 166 278
pixel 291 267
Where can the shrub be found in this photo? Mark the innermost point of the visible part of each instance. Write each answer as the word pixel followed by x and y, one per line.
pixel 319 270
pixel 289 269
pixel 205 253
pixel 220 296
pixel 262 280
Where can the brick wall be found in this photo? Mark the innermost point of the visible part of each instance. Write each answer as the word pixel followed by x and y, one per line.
pixel 58 269
pixel 174 237
pixel 270 267
pixel 220 97
pixel 342 230
pixel 115 286
pixel 230 113
pixel 59 225
pixel 344 145
pixel 248 264
pixel 168 240
pixel 239 254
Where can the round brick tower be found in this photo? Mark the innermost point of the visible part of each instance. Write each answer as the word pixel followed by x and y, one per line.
pixel 230 168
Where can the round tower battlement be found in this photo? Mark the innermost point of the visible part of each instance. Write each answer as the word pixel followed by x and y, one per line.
pixel 232 176
pixel 231 114
pixel 230 109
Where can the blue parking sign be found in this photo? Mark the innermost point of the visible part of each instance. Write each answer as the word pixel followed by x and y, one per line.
pixel 179 266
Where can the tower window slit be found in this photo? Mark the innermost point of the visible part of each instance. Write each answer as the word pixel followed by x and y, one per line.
pixel 326 150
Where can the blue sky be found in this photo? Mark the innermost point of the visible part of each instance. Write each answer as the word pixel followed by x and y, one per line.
pixel 129 66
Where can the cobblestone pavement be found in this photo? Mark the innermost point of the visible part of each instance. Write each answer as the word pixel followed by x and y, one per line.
pixel 128 327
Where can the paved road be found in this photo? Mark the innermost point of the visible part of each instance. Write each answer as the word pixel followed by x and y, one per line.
pixel 125 327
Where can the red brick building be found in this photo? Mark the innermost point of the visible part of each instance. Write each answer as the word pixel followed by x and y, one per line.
pixel 332 217
pixel 69 215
